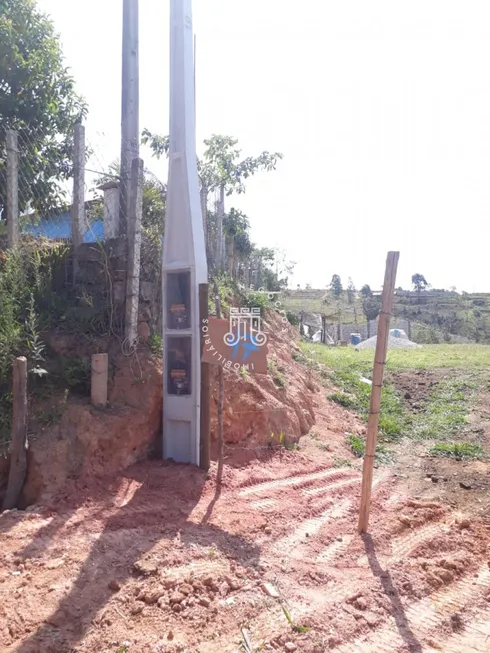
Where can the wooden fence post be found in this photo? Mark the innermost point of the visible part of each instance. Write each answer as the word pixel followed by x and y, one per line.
pixel 12 189
pixel 378 370
pixel 205 457
pixel 134 251
pixel 18 446
pixel 100 374
pixel 221 442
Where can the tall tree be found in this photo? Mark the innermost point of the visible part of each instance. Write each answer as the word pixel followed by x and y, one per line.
pixel 419 283
pixel 221 169
pixel 38 99
pixel 366 291
pixel 351 291
pixel 370 307
pixel 336 286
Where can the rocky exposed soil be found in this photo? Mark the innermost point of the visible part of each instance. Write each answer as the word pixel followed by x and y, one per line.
pixel 157 560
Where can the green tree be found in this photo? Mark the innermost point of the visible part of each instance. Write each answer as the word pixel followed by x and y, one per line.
pixel 38 99
pixel 336 286
pixel 366 291
pixel 220 169
pixel 370 307
pixel 351 291
pixel 419 283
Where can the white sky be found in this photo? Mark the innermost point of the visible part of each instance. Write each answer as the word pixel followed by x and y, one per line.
pixel 381 109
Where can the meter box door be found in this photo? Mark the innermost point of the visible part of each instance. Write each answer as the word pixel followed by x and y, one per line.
pixel 181 382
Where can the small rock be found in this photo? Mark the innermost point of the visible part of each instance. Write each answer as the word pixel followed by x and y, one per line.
pixel 268 530
pixel 360 603
pixel 137 609
pixel 224 588
pixel 464 485
pixel 464 523
pixel 145 568
pixel 339 538
pixel 404 520
pixel 446 575
pixel 177 597
pixel 170 635
pixel 177 607
pixel 204 602
pixel 270 590
pixel 289 646
pixel 153 597
pixel 434 479
pixel 209 580
pixel 457 621
pixel 185 589
pixel 114 586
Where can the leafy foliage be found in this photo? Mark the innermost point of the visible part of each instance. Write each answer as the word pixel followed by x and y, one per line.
pixel 38 99
pixel 336 286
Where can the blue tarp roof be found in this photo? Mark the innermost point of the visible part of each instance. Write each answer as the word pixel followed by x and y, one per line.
pixel 59 227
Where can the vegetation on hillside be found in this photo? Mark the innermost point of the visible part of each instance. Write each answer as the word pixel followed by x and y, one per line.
pixel 436 316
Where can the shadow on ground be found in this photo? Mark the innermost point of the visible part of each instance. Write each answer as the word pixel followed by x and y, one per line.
pixel 158 510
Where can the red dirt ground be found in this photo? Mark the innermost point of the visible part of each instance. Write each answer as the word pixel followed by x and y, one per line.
pixel 158 561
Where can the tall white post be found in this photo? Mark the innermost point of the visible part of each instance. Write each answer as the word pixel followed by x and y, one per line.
pixel 184 253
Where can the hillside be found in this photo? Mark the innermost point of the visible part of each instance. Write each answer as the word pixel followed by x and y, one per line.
pixel 434 316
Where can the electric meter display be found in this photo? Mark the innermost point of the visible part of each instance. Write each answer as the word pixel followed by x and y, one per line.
pixel 178 300
pixel 179 365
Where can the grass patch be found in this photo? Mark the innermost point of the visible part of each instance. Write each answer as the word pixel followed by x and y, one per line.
pixel 277 376
pixel 456 450
pixel 343 399
pixel 348 374
pixel 358 447
pixel 446 411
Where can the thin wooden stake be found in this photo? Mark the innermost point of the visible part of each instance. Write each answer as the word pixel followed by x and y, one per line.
pixel 221 444
pixel 378 370
pixel 205 457
pixel 18 446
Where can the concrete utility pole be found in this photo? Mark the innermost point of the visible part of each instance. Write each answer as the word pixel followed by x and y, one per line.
pixel 129 106
pixel 184 258
pixel 12 189
pixel 78 200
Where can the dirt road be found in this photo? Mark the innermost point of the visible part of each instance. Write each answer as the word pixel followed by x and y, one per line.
pixel 157 561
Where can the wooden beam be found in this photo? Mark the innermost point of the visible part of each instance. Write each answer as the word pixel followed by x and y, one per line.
pixel 378 371
pixel 205 455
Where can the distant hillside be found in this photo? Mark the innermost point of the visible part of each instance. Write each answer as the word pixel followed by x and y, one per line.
pixel 434 316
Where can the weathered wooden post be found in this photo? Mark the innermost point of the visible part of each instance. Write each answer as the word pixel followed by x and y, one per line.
pixel 100 375
pixel 12 189
pixel 18 446
pixel 377 384
pixel 134 251
pixel 205 459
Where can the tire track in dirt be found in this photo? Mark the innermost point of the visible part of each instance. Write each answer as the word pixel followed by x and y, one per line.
pixel 424 616
pixel 303 479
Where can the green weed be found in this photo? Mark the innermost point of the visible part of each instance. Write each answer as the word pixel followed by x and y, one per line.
pixel 155 344
pixel 457 450
pixel 343 399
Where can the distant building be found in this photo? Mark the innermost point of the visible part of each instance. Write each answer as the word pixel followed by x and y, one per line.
pixel 59 228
